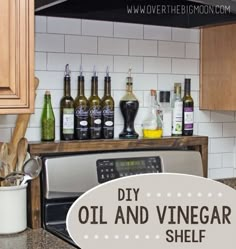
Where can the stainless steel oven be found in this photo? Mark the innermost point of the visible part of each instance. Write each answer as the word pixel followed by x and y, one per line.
pixel 66 177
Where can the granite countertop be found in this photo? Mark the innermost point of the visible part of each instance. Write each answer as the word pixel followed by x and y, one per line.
pixel 231 182
pixel 33 239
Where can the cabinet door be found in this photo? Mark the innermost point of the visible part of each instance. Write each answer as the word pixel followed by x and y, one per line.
pixel 218 68
pixel 16 56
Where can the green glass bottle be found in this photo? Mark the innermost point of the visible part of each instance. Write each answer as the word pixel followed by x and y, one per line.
pixel 67 110
pixel 47 119
pixel 81 111
pixel 107 110
pixel 95 112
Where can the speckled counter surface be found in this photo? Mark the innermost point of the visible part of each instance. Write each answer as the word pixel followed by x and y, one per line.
pixel 229 181
pixel 33 239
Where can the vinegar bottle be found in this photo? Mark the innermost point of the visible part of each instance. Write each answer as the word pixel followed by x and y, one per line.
pixel 95 111
pixel 81 111
pixel 107 109
pixel 129 107
pixel 188 106
pixel 67 110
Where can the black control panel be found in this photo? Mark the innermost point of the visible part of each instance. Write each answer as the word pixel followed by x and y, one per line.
pixel 109 169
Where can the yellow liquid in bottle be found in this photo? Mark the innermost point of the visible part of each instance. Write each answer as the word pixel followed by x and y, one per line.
pixel 152 133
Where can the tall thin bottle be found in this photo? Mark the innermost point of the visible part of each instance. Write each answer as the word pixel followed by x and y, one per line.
pixel 47 119
pixel 129 107
pixel 188 108
pixel 81 105
pixel 95 111
pixel 107 109
pixel 177 111
pixel 67 110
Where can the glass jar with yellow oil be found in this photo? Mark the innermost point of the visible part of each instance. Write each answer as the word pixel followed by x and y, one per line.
pixel 152 125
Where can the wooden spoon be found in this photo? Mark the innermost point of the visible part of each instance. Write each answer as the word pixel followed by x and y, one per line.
pixel 4 159
pixel 21 153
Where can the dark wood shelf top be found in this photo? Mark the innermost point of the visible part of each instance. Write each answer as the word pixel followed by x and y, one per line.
pixel 114 144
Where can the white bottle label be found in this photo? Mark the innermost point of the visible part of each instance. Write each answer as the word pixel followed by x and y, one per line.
pixel 68 121
pixel 188 118
pixel 177 118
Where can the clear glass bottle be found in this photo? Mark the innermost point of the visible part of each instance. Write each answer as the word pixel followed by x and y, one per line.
pixel 129 108
pixel 81 105
pixel 152 125
pixel 107 109
pixel 95 110
pixel 166 113
pixel 67 110
pixel 177 111
pixel 47 119
pixel 188 107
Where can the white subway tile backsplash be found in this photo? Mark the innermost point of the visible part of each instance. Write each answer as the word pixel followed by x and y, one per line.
pixel 222 116
pixel 80 44
pixel 64 25
pixel 40 61
pixel 97 28
pixel 214 161
pixel 123 63
pixel 221 173
pixel 50 80
pixel 57 61
pixel 7 121
pixel 201 116
pixel 5 134
pixel 112 46
pixel 186 35
pixel 49 43
pixel 128 30
pixel 185 66
pixel 159 57
pixel 142 48
pixel 228 160
pixel 166 81
pixel 222 145
pixel 99 61
pixel 40 24
pixel 229 130
pixel 192 50
pixel 157 65
pixel 211 130
pixel 157 33
pixel 171 49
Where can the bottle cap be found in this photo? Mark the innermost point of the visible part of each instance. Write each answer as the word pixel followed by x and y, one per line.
pixel 164 96
pixel 129 79
pixel 153 92
pixel 94 77
pixel 107 77
pixel 81 77
pixel 177 88
pixel 47 93
pixel 67 71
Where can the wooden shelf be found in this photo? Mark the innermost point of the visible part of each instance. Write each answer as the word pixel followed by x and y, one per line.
pixel 198 143
pixel 42 148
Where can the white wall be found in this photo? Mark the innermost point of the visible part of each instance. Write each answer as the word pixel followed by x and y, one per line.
pixel 159 56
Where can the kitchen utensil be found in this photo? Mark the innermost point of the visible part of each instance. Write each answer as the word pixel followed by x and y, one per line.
pixel 21 153
pixel 4 160
pixel 32 169
pixel 12 175
pixel 21 126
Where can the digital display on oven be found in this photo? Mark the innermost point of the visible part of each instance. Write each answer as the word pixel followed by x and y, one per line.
pixel 129 165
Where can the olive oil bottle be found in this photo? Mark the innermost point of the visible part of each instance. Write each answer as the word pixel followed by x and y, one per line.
pixel 81 111
pixel 95 111
pixel 188 106
pixel 67 110
pixel 47 119
pixel 107 109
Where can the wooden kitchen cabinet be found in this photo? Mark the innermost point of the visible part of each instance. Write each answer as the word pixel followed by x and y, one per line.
pixel 218 68
pixel 17 56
